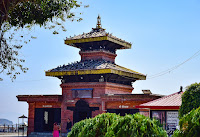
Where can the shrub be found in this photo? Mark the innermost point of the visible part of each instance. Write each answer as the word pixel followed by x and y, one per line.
pixel 190 99
pixel 113 125
pixel 189 125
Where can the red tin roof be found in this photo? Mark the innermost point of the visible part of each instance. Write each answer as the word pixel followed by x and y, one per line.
pixel 172 101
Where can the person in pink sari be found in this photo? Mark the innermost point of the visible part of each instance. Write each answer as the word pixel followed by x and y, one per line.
pixel 56 129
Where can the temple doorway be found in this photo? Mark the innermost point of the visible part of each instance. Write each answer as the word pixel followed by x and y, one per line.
pixel 81 111
pixel 45 118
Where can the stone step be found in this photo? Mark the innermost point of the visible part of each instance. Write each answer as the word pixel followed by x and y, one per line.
pixel 45 134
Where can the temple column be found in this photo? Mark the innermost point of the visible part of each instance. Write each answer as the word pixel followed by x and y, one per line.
pixel 31 116
pixel 103 107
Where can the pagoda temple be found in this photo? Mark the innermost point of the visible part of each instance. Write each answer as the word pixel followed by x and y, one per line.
pixel 91 86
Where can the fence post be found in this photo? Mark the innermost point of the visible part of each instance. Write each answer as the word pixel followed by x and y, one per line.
pixel 4 128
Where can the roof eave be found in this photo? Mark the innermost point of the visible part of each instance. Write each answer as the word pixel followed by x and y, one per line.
pixel 39 98
pixel 73 42
pixel 96 71
pixel 160 107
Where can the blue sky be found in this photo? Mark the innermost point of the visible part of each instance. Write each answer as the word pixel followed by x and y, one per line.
pixel 164 33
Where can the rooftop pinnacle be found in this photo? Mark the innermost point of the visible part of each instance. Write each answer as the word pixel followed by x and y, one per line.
pixel 98 22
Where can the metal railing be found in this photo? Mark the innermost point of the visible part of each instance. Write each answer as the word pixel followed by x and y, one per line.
pixel 21 129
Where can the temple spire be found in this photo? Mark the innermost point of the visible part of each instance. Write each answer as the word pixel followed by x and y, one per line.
pixel 98 26
pixel 98 22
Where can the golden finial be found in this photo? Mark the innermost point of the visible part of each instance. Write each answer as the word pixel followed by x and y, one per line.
pixel 98 22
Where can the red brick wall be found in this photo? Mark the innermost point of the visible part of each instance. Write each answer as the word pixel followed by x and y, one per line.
pixel 112 88
pixel 31 115
pixel 98 55
pixel 99 90
pixel 31 111
pixel 120 104
pixel 101 99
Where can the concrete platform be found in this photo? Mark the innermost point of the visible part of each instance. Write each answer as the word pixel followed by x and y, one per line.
pixel 2 134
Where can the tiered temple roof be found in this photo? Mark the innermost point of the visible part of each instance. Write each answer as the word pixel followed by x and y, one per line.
pixel 97 50
pixel 94 67
pixel 97 34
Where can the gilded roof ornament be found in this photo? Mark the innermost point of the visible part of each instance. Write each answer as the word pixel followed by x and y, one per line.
pixel 98 26
pixel 98 22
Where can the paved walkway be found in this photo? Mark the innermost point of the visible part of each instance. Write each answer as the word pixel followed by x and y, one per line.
pixel 11 135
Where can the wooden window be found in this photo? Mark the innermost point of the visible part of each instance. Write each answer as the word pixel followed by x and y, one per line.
pixel 82 93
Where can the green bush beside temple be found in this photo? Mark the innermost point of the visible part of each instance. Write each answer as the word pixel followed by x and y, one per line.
pixel 190 99
pixel 113 125
pixel 189 125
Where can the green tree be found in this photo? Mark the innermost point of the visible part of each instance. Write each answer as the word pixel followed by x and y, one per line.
pixel 24 14
pixel 113 125
pixel 189 125
pixel 190 99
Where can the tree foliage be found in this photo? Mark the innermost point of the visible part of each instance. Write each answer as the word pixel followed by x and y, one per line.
pixel 113 125
pixel 18 14
pixel 9 59
pixel 190 99
pixel 189 125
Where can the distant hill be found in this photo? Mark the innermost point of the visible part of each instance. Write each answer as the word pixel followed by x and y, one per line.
pixel 6 122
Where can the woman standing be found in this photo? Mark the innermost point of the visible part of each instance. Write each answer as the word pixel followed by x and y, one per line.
pixel 56 129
